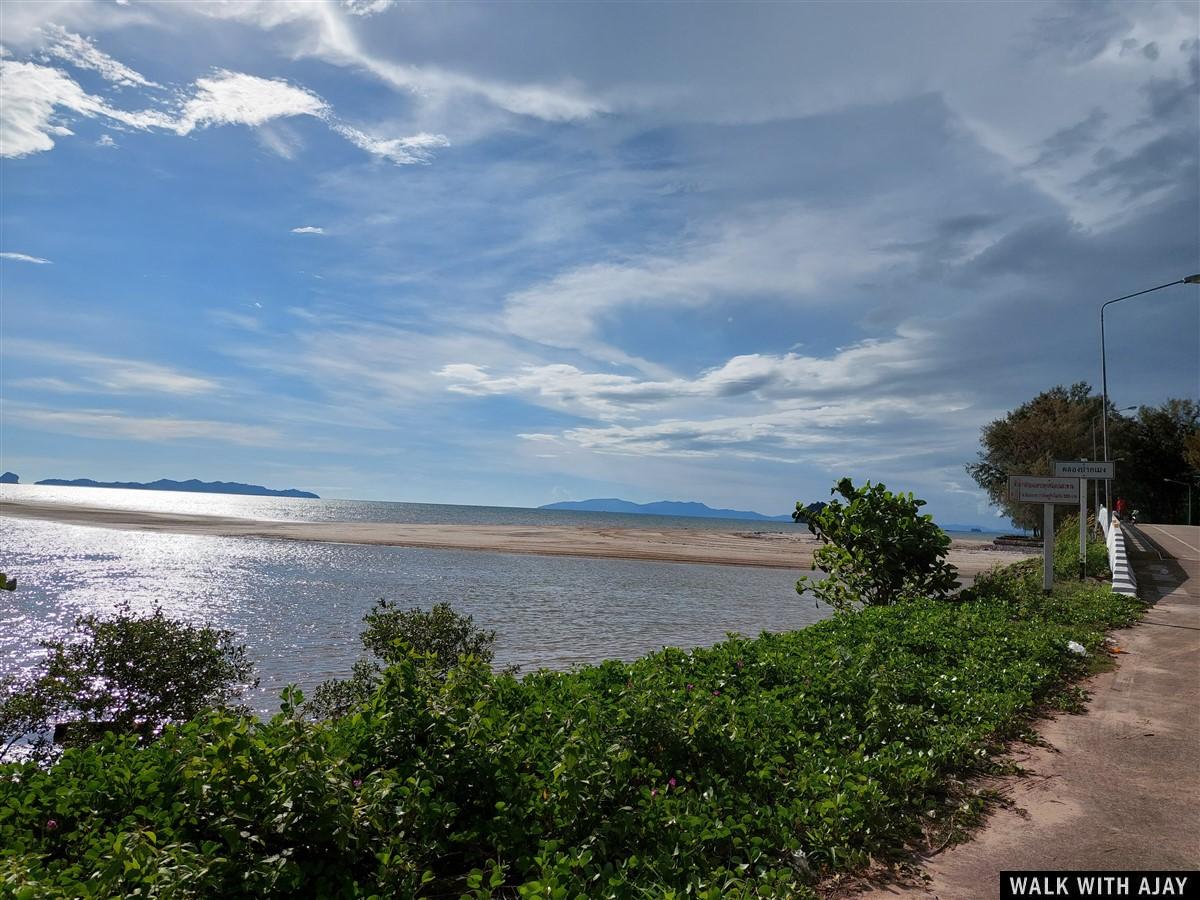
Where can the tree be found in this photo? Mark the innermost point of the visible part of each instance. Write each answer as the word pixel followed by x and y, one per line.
pixel 877 549
pixel 1056 424
pixel 1160 442
pixel 441 635
pixel 127 673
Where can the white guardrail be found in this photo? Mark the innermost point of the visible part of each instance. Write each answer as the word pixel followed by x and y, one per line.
pixel 1123 580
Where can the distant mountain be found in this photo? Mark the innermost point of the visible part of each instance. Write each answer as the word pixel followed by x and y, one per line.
pixel 663 508
pixel 9 478
pixel 192 485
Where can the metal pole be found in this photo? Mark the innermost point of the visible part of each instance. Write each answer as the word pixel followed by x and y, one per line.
pixel 1104 415
pixel 1097 482
pixel 1082 528
pixel 1047 546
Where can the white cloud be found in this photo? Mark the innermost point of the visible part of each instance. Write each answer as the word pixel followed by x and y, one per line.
pixel 106 140
pixel 401 151
pixel 876 365
pixel 25 257
pixel 82 53
pixel 33 94
pixel 308 229
pixel 367 7
pixel 232 98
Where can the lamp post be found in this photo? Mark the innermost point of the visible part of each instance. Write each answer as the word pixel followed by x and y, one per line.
pixel 1188 485
pixel 1096 486
pixel 1190 279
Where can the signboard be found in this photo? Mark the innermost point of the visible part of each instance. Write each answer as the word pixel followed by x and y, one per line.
pixel 1043 489
pixel 1096 471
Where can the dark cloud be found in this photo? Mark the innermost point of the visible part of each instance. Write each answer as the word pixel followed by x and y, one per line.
pixel 1072 140
pixel 1077 30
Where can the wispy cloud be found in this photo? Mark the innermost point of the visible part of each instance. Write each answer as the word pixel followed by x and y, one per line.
pixel 34 95
pixel 110 374
pixel 875 365
pixel 331 38
pixel 25 257
pixel 308 229
pixel 789 253
pixel 101 423
pixel 402 151
pixel 83 54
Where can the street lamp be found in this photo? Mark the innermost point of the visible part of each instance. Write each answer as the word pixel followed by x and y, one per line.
pixel 1190 279
pixel 1096 487
pixel 1188 485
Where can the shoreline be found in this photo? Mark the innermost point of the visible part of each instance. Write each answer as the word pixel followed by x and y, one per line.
pixel 682 545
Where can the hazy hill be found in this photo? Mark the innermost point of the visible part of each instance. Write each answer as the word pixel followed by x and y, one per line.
pixel 192 485
pixel 663 508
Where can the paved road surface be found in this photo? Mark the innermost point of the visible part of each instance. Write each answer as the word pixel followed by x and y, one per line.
pixel 1181 542
pixel 1119 787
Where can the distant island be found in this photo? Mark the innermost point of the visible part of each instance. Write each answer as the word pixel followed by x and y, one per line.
pixel 9 478
pixel 192 485
pixel 662 508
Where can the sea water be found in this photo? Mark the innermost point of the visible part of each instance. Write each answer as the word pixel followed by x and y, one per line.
pixel 298 606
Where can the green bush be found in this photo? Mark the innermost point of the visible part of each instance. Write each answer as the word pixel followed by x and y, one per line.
pixel 128 674
pixel 743 770
pixel 877 549
pixel 1066 552
pixel 441 637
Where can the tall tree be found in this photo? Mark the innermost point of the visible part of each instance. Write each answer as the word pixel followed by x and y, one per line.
pixel 1056 424
pixel 1159 443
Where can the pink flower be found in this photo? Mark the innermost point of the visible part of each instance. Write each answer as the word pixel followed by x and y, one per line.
pixel 716 693
pixel 671 782
pixel 690 686
pixel 653 792
pixel 357 782
pixel 52 824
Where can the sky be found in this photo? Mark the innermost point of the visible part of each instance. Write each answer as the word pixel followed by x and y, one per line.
pixel 510 254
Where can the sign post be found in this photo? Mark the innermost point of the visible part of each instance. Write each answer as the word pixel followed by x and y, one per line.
pixel 1082 528
pixel 1047 490
pixel 1084 471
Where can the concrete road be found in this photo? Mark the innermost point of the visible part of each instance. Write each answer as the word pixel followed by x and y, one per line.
pixel 1118 787
pixel 1181 542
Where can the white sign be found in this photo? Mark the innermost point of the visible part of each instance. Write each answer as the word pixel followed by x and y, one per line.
pixel 1097 471
pixel 1043 489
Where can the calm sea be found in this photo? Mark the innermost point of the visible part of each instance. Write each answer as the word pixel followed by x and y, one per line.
pixel 298 606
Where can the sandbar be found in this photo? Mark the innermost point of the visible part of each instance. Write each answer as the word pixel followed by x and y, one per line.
pixel 686 545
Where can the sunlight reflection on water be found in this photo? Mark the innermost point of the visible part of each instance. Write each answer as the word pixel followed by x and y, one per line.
pixel 298 606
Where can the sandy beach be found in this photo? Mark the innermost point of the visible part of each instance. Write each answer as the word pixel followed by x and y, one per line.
pixel 731 548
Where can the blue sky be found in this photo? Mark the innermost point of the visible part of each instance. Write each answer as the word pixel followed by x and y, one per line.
pixel 518 253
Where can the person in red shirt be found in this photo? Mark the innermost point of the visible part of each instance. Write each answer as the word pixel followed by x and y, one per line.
pixel 1119 507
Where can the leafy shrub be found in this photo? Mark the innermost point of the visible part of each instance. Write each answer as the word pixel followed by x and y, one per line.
pixel 877 549
pixel 126 674
pixel 1066 552
pixel 441 636
pixel 742 770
